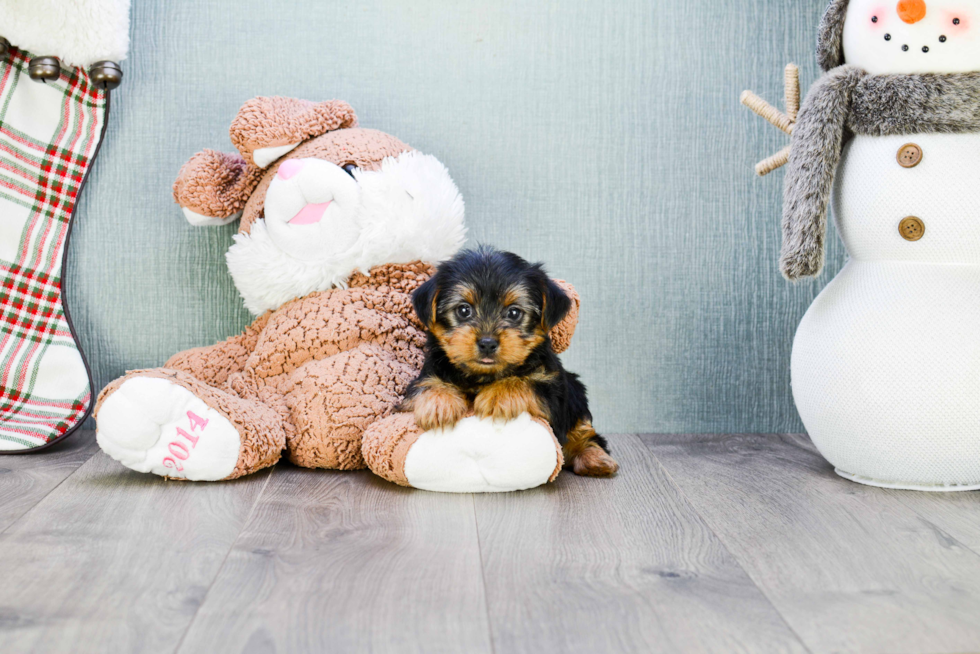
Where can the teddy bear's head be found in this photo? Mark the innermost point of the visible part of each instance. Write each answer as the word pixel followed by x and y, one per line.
pixel 319 198
pixel 901 36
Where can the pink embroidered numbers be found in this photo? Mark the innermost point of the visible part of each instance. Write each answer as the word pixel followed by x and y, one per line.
pixel 181 450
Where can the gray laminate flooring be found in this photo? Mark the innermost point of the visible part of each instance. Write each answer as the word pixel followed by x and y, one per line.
pixel 726 543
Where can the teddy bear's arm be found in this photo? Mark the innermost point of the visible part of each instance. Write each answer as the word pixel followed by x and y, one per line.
pixel 561 334
pixel 213 364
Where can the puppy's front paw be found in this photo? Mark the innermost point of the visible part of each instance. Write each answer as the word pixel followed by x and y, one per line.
pixel 438 407
pixel 507 399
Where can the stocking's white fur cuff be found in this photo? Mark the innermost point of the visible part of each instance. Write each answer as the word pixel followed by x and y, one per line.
pixel 79 32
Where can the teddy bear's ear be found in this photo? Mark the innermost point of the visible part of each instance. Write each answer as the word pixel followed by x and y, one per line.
pixel 213 187
pixel 267 128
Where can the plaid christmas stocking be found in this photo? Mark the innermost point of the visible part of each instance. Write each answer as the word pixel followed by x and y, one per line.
pixel 49 136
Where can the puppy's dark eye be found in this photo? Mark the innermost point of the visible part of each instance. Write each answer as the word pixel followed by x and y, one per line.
pixel 514 314
pixel 349 169
pixel 464 311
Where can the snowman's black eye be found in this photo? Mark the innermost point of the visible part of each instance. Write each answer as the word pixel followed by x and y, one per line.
pixel 956 21
pixel 874 19
pixel 942 39
pixel 925 48
pixel 905 48
pixel 888 37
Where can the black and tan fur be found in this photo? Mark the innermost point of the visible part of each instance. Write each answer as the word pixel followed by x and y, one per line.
pixel 511 305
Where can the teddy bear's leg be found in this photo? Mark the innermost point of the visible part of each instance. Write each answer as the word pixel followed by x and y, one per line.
pixel 332 402
pixel 169 423
pixel 214 364
pixel 474 456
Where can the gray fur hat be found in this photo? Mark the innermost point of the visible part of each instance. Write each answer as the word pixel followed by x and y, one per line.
pixel 830 40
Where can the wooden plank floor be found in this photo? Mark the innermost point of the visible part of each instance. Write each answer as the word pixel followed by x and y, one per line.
pixel 730 543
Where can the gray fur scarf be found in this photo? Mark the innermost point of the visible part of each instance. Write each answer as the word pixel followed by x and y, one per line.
pixel 847 101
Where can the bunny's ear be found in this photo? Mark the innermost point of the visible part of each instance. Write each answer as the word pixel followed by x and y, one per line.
pixel 213 187
pixel 267 128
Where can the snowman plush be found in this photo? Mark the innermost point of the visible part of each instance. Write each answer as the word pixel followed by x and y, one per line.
pixel 886 361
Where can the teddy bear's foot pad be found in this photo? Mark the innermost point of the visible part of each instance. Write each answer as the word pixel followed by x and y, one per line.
pixel 483 456
pixel 154 425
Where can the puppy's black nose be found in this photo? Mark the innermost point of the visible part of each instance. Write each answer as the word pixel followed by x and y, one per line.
pixel 487 345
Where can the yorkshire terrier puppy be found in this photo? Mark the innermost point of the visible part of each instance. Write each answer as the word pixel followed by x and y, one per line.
pixel 488 315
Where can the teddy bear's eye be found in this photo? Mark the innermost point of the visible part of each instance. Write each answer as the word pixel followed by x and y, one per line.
pixel 349 169
pixel 464 311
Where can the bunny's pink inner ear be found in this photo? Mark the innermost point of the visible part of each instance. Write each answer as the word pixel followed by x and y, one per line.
pixel 213 187
pixel 561 334
pixel 267 128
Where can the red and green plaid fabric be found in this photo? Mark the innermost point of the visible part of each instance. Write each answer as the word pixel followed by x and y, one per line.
pixel 49 134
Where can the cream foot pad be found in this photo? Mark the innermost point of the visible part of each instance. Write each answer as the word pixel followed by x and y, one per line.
pixel 483 456
pixel 154 425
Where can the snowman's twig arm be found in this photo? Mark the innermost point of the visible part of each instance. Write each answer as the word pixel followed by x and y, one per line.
pixel 784 121
pixel 767 111
pixel 791 83
pixel 816 149
pixel 772 163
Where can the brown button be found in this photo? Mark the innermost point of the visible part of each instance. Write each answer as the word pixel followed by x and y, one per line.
pixel 911 228
pixel 909 155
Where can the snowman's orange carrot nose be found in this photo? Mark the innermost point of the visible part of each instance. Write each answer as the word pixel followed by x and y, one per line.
pixel 912 11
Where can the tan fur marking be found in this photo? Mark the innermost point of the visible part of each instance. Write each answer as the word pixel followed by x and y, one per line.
pixel 468 295
pixel 459 344
pixel 437 405
pixel 516 346
pixel 516 295
pixel 508 398
pixel 584 456
pixel 433 318
pixel 541 376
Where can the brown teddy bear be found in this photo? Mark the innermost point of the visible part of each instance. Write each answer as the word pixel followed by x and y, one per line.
pixel 339 224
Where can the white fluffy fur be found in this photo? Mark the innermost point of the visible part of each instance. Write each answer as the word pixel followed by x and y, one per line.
pixel 79 32
pixel 267 277
pixel 410 210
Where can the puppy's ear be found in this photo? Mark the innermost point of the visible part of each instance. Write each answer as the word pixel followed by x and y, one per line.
pixel 555 304
pixel 424 300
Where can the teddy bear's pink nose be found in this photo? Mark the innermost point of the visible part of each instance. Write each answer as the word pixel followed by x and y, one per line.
pixel 289 168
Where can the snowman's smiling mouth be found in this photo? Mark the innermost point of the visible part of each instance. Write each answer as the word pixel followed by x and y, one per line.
pixel 925 48
pixel 310 214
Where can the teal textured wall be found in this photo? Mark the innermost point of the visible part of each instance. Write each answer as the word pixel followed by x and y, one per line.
pixel 604 138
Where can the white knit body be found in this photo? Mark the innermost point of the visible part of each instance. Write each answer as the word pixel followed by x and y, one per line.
pixel 886 361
